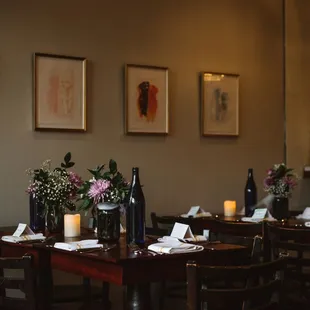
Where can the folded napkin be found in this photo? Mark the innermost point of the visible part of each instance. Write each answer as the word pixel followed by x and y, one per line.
pixel 174 247
pixel 268 217
pixel 78 245
pixel 23 238
pixel 202 214
pixel 169 239
pixel 305 215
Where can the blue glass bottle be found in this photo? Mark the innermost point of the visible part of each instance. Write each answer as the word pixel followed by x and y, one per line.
pixel 250 194
pixel 135 211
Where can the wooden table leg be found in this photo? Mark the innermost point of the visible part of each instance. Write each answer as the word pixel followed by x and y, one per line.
pixel 137 297
pixel 45 281
pixel 106 296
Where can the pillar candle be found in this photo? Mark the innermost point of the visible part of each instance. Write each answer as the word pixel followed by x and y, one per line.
pixel 229 208
pixel 72 225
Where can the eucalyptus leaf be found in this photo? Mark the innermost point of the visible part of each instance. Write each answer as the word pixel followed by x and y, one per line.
pixel 113 166
pixel 67 157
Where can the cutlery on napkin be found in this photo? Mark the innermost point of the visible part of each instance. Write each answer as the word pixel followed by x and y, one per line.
pixel 195 238
pixel 174 247
pixel 23 238
pixel 78 245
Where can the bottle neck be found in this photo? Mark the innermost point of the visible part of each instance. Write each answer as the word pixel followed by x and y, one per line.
pixel 250 174
pixel 135 176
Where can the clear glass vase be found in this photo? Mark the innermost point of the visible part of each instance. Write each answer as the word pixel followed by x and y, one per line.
pixel 108 222
pixel 54 219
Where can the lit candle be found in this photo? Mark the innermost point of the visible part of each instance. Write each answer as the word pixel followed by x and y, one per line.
pixel 72 225
pixel 229 208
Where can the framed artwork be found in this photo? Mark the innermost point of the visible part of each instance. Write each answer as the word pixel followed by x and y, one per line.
pixel 59 92
pixel 219 104
pixel 146 102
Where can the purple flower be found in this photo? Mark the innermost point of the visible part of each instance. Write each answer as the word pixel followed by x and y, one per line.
pixel 31 189
pixel 268 181
pixel 75 179
pixel 98 189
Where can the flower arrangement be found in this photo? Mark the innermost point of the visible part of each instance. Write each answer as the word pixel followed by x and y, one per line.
pixel 55 188
pixel 105 186
pixel 280 181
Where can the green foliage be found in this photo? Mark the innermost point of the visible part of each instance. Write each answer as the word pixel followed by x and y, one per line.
pixel 67 161
pixel 116 192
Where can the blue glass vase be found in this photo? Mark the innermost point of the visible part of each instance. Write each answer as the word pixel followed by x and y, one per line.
pixel 37 220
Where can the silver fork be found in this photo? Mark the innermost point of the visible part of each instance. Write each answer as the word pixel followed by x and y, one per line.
pixel 137 250
pixel 103 249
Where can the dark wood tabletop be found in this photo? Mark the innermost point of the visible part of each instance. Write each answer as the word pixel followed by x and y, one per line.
pixel 120 265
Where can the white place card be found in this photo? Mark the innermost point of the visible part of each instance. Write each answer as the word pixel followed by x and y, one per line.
pixel 259 213
pixel 22 229
pixel 206 233
pixel 181 231
pixel 195 210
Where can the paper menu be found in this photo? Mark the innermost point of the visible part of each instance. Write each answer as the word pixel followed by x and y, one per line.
pixel 195 210
pixel 22 229
pixel 181 231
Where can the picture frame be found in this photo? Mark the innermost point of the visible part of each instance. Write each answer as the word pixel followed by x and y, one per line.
pixel 146 100
pixel 59 92
pixel 219 104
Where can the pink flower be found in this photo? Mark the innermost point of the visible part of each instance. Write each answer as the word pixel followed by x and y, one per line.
pixel 75 179
pixel 98 189
pixel 31 189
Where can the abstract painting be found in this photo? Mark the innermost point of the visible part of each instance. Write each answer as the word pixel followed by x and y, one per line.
pixel 146 103
pixel 59 92
pixel 219 104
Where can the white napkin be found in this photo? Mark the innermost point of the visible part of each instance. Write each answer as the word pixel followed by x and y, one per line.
pixel 23 238
pixel 202 214
pixel 174 247
pixel 251 220
pixel 78 245
pixel 169 239
pixel 305 215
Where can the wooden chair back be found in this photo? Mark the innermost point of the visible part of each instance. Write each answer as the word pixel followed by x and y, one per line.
pixel 245 234
pixel 150 231
pixel 295 244
pixel 234 287
pixel 239 228
pixel 27 284
pixel 163 222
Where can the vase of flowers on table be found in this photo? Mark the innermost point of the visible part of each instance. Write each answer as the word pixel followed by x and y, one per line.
pixel 55 190
pixel 280 182
pixel 105 191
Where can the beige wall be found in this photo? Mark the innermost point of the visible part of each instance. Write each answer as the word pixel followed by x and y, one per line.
pixel 297 92
pixel 182 169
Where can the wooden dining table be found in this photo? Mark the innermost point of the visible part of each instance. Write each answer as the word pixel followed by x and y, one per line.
pixel 120 266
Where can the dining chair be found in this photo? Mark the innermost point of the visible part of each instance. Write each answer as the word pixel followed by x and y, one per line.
pixel 295 243
pixel 27 284
pixel 257 286
pixel 245 234
pixel 163 222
